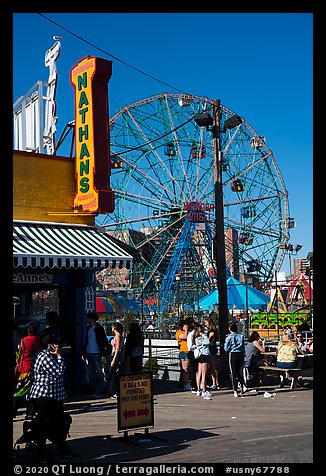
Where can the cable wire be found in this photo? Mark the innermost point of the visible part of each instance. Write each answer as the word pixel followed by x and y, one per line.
pixel 130 66
pixel 112 56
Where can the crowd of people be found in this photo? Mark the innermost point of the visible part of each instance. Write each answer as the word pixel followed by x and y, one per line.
pixel 198 352
pixel 40 366
pixel 198 356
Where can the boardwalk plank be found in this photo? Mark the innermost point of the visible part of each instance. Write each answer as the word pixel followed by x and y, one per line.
pixel 252 429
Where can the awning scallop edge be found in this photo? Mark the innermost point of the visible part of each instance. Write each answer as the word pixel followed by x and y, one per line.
pixel 59 245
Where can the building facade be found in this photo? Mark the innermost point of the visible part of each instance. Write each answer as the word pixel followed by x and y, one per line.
pixel 57 252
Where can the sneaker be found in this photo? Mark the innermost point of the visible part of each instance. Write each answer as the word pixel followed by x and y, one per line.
pixel 187 387
pixel 235 394
pixel 214 387
pixel 70 457
pixel 207 396
pixel 206 393
pixel 114 397
pixel 198 393
pixel 243 391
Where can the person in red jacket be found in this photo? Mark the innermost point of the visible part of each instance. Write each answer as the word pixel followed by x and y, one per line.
pixel 28 347
pixel 96 346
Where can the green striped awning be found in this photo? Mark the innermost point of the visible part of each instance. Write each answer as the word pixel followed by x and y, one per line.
pixel 59 245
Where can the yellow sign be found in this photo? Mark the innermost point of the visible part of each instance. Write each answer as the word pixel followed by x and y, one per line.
pixel 135 401
pixel 89 79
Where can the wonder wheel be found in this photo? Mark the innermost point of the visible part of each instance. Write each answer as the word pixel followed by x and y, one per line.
pixel 163 180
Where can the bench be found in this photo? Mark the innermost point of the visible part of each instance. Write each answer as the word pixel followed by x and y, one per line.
pixel 292 374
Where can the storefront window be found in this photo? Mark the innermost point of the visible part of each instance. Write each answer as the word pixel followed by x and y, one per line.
pixel 45 301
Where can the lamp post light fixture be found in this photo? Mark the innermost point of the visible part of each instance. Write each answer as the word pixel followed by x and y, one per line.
pixel 232 122
pixel 141 282
pixel 212 123
pixel 297 248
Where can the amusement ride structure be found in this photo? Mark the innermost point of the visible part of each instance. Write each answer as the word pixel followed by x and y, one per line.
pixel 162 176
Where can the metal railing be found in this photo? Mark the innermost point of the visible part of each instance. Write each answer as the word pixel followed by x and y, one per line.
pixel 167 355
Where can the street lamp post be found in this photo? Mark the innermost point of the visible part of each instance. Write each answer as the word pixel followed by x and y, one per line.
pixel 141 281
pixel 291 249
pixel 276 301
pixel 219 239
pixel 158 280
pixel 177 278
pixel 309 273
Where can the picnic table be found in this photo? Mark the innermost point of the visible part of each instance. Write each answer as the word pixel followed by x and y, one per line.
pixel 290 374
pixel 271 357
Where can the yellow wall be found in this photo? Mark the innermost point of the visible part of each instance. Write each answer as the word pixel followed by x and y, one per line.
pixel 43 188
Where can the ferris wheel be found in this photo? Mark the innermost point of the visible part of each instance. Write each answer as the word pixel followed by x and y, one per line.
pixel 163 180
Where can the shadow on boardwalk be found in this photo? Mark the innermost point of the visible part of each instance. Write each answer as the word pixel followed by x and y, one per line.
pixel 189 429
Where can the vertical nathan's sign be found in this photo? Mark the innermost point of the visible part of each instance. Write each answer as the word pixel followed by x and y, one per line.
pixel 90 79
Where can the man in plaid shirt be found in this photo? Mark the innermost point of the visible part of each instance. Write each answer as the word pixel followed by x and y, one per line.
pixel 48 394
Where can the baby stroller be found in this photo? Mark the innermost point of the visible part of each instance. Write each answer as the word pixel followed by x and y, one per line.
pixel 30 433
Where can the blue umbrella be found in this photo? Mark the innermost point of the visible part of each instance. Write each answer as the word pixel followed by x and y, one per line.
pixel 240 296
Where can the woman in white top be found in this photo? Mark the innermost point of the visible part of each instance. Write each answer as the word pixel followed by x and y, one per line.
pixel 202 344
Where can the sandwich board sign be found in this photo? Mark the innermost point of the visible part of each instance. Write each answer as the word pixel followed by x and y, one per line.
pixel 135 401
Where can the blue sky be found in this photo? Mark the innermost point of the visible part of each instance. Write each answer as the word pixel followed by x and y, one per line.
pixel 259 64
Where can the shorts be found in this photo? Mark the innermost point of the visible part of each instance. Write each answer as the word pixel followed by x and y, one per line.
pixel 183 356
pixel 203 359
pixel 286 365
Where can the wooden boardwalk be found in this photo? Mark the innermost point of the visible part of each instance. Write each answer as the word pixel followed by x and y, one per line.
pixel 189 429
